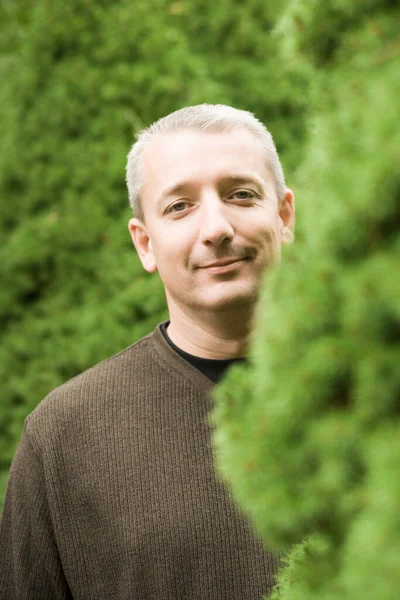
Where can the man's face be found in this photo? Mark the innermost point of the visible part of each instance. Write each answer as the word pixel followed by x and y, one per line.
pixel 212 221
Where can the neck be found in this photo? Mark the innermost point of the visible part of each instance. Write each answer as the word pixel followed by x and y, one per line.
pixel 223 336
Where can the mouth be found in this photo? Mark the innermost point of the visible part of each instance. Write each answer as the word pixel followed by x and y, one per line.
pixel 221 263
pixel 224 266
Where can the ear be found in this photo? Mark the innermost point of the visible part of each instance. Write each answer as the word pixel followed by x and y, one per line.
pixel 287 217
pixel 141 240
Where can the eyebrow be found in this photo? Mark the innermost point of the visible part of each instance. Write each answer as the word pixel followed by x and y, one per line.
pixel 244 178
pixel 233 178
pixel 175 189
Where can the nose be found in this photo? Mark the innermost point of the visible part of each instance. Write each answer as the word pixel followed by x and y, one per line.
pixel 216 227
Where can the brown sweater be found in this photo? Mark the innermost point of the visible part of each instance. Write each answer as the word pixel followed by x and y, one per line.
pixel 113 494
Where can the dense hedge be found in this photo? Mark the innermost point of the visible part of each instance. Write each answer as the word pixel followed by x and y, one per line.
pixel 308 435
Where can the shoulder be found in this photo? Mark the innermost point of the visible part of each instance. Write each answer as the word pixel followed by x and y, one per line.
pixel 92 394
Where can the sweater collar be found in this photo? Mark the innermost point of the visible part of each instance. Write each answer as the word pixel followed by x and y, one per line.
pixel 177 362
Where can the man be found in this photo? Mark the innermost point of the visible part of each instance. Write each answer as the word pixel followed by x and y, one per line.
pixel 113 493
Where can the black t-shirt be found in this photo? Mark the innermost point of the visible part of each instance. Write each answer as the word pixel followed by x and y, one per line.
pixel 211 368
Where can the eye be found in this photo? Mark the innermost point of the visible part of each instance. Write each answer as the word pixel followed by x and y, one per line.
pixel 177 207
pixel 243 194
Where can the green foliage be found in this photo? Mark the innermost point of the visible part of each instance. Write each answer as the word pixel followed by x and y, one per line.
pixel 308 434
pixel 82 77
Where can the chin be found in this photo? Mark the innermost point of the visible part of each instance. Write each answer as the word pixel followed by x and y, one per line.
pixel 243 299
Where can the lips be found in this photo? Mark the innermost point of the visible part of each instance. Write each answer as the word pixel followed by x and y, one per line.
pixel 221 263
pixel 224 267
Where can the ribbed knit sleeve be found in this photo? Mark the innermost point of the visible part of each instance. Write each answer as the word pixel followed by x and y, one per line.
pixel 30 566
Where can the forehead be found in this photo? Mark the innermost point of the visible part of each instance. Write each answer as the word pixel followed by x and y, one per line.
pixel 201 157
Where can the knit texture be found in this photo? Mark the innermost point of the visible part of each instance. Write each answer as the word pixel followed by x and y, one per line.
pixel 113 494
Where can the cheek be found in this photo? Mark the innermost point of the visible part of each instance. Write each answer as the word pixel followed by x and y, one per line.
pixel 261 223
pixel 171 254
pixel 268 236
pixel 269 246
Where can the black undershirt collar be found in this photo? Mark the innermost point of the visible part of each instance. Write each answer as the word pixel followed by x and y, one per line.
pixel 214 369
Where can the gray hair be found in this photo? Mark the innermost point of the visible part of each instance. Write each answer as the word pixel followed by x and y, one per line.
pixel 213 118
